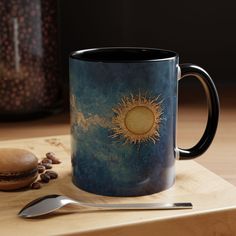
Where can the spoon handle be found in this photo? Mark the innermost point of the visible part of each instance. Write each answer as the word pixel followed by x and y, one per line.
pixel 140 206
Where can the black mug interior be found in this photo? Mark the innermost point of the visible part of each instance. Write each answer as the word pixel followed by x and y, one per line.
pixel 123 54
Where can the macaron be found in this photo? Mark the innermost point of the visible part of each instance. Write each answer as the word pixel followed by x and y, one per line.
pixel 18 168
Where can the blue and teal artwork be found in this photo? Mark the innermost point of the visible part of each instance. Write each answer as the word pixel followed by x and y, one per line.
pixel 123 126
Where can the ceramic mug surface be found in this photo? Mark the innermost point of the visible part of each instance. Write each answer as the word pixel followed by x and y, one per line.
pixel 123 119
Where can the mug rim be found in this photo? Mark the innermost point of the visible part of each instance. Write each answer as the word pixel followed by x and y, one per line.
pixel 164 55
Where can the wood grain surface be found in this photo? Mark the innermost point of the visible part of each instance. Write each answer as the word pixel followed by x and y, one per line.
pixel 213 198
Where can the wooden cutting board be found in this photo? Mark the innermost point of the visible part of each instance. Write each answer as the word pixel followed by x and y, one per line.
pixel 214 201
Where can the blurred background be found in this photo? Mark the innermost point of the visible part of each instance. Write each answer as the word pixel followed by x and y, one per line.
pixel 37 37
pixel 202 32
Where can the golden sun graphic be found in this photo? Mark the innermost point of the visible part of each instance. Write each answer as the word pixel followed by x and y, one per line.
pixel 137 119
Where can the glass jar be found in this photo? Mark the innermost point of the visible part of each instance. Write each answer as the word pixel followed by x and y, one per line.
pixel 29 58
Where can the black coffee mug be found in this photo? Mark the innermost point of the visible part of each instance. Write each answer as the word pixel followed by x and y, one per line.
pixel 123 119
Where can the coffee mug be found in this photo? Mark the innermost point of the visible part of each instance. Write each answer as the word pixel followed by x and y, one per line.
pixel 123 119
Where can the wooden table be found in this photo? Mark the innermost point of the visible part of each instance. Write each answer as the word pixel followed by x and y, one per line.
pixel 215 214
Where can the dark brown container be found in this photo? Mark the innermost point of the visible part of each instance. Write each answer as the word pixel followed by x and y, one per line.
pixel 29 58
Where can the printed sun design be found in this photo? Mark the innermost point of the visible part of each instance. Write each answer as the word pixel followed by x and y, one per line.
pixel 137 119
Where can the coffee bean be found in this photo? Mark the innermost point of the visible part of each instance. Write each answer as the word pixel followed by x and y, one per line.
pixel 47 165
pixel 52 174
pixel 46 160
pixel 52 156
pixel 56 161
pixel 45 178
pixel 36 185
pixel 41 168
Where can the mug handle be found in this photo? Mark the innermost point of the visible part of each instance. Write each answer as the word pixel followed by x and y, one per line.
pixel 213 111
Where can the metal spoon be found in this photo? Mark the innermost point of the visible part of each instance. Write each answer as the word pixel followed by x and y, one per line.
pixel 49 203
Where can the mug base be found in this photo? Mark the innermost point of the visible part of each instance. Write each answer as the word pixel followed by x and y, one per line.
pixel 140 190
